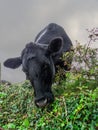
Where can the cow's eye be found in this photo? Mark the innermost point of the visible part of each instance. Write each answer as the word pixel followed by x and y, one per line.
pixel 31 56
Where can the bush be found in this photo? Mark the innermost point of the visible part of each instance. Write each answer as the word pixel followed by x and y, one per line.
pixel 75 107
pixel 84 59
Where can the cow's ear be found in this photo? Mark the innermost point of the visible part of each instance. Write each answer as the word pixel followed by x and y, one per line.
pixel 13 63
pixel 55 45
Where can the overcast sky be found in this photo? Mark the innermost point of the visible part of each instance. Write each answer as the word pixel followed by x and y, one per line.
pixel 21 20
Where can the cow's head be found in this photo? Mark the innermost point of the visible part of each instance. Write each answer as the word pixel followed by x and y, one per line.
pixel 37 63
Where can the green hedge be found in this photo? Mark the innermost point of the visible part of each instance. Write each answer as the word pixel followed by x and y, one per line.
pixel 75 106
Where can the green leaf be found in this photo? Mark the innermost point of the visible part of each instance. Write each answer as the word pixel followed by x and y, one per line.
pixel 2 94
pixel 11 126
pixel 26 123
pixel 62 124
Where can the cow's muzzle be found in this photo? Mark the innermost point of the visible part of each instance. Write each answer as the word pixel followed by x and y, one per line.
pixel 41 102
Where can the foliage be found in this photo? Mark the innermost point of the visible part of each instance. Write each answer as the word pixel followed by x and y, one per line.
pixel 84 59
pixel 75 106
pixel 76 98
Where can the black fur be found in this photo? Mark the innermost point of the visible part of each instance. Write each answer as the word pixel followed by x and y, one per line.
pixel 39 60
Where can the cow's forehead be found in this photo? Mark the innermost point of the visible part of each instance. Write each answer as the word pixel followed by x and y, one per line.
pixel 37 49
pixel 34 49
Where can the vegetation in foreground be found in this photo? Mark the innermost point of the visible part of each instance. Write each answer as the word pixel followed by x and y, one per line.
pixel 75 106
pixel 76 99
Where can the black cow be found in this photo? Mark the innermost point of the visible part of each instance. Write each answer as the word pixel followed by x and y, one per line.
pixel 39 60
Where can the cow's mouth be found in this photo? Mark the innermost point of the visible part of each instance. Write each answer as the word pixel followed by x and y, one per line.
pixel 42 102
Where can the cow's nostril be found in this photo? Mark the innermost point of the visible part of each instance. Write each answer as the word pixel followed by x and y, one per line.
pixel 42 103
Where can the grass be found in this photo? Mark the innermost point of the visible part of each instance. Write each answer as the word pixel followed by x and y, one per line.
pixel 75 106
